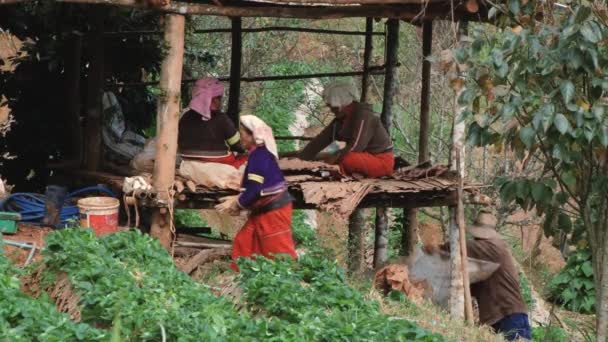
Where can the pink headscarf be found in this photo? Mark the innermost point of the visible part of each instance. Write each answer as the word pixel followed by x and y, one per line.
pixel 203 91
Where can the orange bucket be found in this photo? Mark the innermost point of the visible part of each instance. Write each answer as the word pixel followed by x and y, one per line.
pixel 99 214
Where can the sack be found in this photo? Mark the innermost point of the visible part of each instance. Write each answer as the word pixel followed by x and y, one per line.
pixel 144 160
pixel 211 175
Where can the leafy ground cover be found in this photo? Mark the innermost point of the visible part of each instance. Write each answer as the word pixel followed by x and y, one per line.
pixel 129 290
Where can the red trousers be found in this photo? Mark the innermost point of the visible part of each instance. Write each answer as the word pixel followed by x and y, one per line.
pixel 265 234
pixel 228 160
pixel 367 164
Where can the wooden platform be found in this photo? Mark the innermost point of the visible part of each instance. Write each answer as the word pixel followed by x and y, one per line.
pixel 313 188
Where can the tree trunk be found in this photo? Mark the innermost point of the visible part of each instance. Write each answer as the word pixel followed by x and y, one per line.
pixel 367 57
pixel 457 300
pixel 381 241
pixel 356 241
pixel 167 123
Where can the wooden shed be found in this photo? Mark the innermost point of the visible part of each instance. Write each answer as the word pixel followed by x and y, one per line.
pixel 412 190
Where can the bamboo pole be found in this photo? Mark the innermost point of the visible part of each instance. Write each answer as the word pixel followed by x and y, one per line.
pixel 367 56
pixel 250 30
pixel 167 122
pixel 374 70
pixel 236 54
pixel 95 82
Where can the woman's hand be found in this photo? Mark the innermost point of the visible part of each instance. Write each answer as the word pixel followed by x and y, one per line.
pixel 229 205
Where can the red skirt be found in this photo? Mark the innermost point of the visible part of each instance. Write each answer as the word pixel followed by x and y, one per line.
pixel 266 234
pixel 228 160
pixel 367 164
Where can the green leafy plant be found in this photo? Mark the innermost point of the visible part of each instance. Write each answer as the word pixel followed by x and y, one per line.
pixel 549 333
pixel 23 318
pixel 573 287
pixel 303 234
pixel 526 291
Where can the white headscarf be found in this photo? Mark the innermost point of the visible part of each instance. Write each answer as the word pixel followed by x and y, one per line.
pixel 262 133
pixel 340 94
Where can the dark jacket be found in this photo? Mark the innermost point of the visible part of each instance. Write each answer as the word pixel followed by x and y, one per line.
pixel 215 137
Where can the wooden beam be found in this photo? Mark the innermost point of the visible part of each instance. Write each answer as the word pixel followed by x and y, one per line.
pixel 411 12
pixel 167 123
pixel 73 66
pixel 468 304
pixel 367 56
pixel 251 30
pixel 423 141
pixel 236 56
pixel 95 82
pixel 11 2
pixel 374 70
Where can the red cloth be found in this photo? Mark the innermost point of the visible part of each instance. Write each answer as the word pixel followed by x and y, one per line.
pixel 265 234
pixel 228 160
pixel 367 164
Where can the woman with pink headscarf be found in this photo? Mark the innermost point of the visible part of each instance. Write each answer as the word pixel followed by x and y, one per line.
pixel 205 132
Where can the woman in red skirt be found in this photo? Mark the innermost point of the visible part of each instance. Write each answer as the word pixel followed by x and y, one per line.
pixel 268 228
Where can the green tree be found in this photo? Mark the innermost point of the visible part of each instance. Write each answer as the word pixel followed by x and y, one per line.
pixel 538 87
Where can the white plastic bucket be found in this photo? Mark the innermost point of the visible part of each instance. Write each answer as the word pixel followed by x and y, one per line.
pixel 100 214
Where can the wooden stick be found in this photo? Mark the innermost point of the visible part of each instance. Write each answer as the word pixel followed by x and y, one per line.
pixel 167 122
pixel 203 257
pixel 201 245
pixel 251 30
pixel 375 70
pixel 236 54
pixel 293 138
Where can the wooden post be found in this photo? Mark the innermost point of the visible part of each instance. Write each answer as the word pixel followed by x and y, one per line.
pixel 356 241
pixel 410 221
pixel 367 56
pixel 381 238
pixel 392 48
pixel 236 55
pixel 73 65
pixel 457 290
pixel 468 304
pixel 166 125
pixel 95 83
pixel 423 141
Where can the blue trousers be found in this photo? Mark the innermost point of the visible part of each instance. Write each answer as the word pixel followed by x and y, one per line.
pixel 513 327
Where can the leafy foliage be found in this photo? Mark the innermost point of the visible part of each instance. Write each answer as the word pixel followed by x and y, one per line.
pixel 303 234
pixel 549 334
pixel 23 318
pixel 537 87
pixel 128 280
pixel 573 287
pixel 320 306
pixel 526 291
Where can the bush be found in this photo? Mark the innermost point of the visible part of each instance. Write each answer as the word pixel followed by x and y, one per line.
pixel 548 334
pixel 573 287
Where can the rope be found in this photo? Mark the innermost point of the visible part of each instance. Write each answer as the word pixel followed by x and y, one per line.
pixel 32 206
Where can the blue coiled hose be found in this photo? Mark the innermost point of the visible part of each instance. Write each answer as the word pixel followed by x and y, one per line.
pixel 31 206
